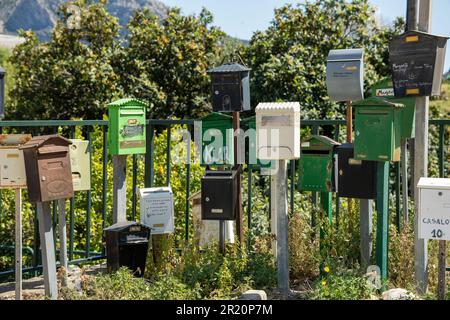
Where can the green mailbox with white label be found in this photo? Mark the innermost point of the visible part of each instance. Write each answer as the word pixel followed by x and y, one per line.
pixel 316 167
pixel 378 127
pixel 127 127
pixel 217 140
pixel 385 89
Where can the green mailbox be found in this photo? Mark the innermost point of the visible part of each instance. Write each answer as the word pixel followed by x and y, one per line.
pixel 127 127
pixel 385 89
pixel 217 140
pixel 316 167
pixel 249 126
pixel 378 128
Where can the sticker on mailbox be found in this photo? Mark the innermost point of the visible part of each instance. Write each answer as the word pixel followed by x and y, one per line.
pixel 157 210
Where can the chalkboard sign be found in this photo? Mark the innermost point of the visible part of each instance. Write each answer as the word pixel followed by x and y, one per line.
pixel 417 64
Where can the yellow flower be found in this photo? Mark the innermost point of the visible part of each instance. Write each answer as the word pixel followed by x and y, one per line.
pixel 324 283
pixel 327 269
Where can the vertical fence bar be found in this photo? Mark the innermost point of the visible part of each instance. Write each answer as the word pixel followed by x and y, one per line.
pixel 149 156
pixel 249 207
pixel 441 151
pixel 134 188
pixel 168 150
pixel 89 198
pixel 188 188
pixel 338 199
pixel 315 131
pixel 104 177
pixel 398 218
pixel 71 212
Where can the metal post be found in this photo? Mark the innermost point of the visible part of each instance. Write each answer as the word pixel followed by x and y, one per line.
pixel 421 161
pixel 47 249
pixel 120 189
pixel 365 218
pixel 382 218
pixel 18 234
pixel 239 213
pixel 442 267
pixel 63 239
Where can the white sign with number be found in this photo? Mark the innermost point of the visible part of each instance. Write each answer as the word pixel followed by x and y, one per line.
pixel 434 209
pixel 157 209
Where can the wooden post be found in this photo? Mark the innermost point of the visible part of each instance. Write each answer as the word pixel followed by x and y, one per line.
pixel 366 218
pixel 239 213
pixel 421 159
pixel 382 218
pixel 18 234
pixel 47 249
pixel 120 189
pixel 349 122
pixel 404 175
pixel 442 269
pixel 63 239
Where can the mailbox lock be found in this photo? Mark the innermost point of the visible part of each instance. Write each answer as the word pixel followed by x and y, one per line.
pixel 43 178
pixel 341 173
pixel 440 194
pixel 207 199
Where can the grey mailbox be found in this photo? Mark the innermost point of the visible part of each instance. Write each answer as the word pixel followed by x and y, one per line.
pixel 345 75
pixel 2 92
pixel 417 63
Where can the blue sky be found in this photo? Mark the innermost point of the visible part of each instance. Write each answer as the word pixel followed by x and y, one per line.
pixel 240 18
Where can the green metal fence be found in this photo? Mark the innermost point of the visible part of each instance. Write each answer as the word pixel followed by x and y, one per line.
pixel 35 127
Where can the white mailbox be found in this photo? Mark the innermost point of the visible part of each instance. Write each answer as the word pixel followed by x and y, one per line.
pixel 278 131
pixel 80 162
pixel 12 164
pixel 157 209
pixel 434 208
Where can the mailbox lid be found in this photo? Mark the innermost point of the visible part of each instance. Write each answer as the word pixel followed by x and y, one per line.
pixel 128 232
pixel 319 143
pixel 434 183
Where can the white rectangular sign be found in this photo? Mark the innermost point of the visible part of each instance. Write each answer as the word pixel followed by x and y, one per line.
pixel 434 213
pixel 157 209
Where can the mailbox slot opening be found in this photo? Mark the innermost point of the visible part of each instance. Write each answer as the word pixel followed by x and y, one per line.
pixel 276 120
pixel 52 150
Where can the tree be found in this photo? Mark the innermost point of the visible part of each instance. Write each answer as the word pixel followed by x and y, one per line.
pixel 71 76
pixel 166 62
pixel 288 59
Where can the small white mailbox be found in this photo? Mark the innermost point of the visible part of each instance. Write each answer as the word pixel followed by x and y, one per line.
pixel 157 209
pixel 12 164
pixel 80 162
pixel 434 208
pixel 278 131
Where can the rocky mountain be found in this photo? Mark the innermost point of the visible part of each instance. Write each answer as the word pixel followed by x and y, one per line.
pixel 41 15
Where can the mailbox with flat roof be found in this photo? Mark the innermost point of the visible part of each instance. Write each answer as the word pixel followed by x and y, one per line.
pixel 12 164
pixel 220 195
pixel 345 75
pixel 2 92
pixel 217 140
pixel 47 167
pixel 127 127
pixel 316 168
pixel 80 161
pixel 278 130
pixel 385 89
pixel 417 63
pixel 231 88
pixel 357 179
pixel 378 130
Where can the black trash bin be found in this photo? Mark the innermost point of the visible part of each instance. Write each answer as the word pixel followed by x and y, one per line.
pixel 127 245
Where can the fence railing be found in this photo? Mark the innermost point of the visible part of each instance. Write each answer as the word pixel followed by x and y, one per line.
pixel 80 255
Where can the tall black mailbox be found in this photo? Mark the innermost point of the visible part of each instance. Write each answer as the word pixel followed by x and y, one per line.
pixel 220 195
pixel 127 245
pixel 357 179
pixel 2 92
pixel 417 63
pixel 231 88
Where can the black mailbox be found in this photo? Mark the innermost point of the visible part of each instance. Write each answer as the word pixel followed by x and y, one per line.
pixel 231 88
pixel 417 63
pixel 127 245
pixel 220 195
pixel 2 92
pixel 356 178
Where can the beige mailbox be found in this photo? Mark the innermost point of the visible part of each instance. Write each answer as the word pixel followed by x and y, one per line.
pixel 80 161
pixel 278 131
pixel 157 209
pixel 12 164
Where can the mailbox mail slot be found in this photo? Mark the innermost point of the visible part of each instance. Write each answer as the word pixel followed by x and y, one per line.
pixel 356 178
pixel 417 63
pixel 157 209
pixel 219 195
pixel 127 127
pixel 377 130
pixel 80 162
pixel 278 131
pixel 345 75
pixel 12 164
pixel 231 88
pixel 47 167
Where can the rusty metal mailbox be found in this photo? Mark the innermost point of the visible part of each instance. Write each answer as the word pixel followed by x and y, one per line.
pixel 48 169
pixel 12 165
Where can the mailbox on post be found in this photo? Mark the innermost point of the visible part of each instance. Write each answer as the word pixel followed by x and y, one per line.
pixel 217 140
pixel 231 88
pixel 278 131
pixel 357 179
pixel 80 161
pixel 345 75
pixel 157 209
pixel 220 195
pixel 127 127
pixel 385 90
pixel 47 167
pixel 417 63
pixel 316 168
pixel 378 130
pixel 12 164
pixel 2 92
